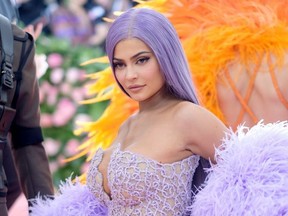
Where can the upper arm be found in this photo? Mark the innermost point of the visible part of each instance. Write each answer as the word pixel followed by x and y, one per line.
pixel 202 131
pixel 26 129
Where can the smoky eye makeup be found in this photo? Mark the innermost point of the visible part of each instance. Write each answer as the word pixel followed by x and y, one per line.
pixel 142 60
pixel 117 64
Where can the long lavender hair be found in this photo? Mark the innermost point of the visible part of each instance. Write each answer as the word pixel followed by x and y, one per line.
pixel 157 32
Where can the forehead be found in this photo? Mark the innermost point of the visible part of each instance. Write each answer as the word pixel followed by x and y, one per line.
pixel 129 47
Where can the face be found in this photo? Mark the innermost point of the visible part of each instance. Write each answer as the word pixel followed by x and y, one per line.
pixel 137 69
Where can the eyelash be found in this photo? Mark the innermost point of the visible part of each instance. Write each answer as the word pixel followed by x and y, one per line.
pixel 116 65
pixel 141 60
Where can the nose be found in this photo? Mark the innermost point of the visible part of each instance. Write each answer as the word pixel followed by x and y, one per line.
pixel 131 73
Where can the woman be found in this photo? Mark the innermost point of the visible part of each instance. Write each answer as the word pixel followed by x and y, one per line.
pixel 251 176
pixel 148 169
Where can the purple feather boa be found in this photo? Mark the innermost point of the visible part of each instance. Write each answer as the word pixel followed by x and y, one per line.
pixel 251 175
pixel 73 199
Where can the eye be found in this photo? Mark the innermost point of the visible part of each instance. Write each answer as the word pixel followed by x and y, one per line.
pixel 118 65
pixel 142 60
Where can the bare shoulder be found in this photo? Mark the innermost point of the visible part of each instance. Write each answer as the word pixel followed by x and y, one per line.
pixel 190 113
pixel 125 125
pixel 201 129
pixel 123 129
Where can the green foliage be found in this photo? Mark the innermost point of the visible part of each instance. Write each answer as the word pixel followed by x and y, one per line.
pixel 58 126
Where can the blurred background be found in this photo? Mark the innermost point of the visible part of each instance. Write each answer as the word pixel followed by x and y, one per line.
pixel 74 32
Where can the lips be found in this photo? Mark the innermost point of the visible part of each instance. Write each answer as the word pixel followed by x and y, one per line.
pixel 135 88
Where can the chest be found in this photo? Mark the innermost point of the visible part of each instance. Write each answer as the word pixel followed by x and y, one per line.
pixel 133 178
pixel 150 133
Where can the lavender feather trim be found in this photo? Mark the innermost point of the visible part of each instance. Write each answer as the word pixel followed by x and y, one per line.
pixel 73 199
pixel 251 175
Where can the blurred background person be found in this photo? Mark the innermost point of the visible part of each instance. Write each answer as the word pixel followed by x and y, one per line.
pixel 71 21
pixel 100 9
pixel 32 12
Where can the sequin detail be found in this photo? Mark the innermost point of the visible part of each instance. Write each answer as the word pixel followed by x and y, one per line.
pixel 142 186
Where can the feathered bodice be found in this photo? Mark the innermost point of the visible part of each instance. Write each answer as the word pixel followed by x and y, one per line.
pixel 142 186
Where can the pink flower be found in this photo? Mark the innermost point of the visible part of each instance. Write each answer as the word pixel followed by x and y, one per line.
pixel 46 120
pixel 57 75
pixel 52 94
pixel 71 147
pixel 53 165
pixel 82 75
pixel 65 88
pixel 78 94
pixel 55 60
pixel 51 146
pixel 43 90
pixel 65 110
pixel 73 75
pixel 87 89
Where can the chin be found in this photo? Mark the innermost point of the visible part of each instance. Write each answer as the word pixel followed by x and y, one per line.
pixel 138 99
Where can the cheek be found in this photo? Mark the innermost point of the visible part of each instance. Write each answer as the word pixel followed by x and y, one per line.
pixel 153 73
pixel 158 79
pixel 119 76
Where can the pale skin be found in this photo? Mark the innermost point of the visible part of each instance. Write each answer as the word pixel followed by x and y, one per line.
pixel 35 31
pixel 165 129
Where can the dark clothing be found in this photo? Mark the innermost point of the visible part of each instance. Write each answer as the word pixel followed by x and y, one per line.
pixel 31 10
pixel 200 175
pixel 10 170
pixel 25 135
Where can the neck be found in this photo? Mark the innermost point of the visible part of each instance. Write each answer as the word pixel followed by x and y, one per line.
pixel 157 102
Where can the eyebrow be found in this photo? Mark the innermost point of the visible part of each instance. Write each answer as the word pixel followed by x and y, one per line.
pixel 134 56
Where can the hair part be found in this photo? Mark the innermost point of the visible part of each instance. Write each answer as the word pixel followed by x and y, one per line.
pixel 156 31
